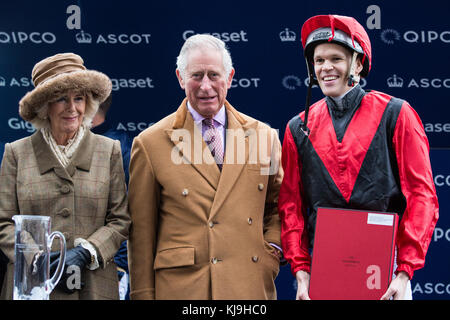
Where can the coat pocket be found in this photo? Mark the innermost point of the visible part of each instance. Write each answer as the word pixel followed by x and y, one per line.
pixel 259 170
pixel 174 257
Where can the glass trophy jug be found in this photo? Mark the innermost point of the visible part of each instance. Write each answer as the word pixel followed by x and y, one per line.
pixel 33 243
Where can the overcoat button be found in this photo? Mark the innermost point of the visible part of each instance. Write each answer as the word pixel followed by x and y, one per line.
pixel 180 138
pixel 64 212
pixel 214 260
pixel 65 189
pixel 211 224
pixel 250 220
pixel 255 258
pixel 185 192
pixel 260 187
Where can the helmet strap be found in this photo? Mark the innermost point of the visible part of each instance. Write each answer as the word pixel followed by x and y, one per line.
pixel 352 77
pixel 312 81
pixel 304 127
pixel 311 74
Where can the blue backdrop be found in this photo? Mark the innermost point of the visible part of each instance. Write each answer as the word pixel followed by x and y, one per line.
pixel 136 44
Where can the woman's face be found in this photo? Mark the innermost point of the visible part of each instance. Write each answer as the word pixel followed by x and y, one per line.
pixel 66 113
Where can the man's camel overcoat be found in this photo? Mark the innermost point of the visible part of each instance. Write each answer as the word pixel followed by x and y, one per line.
pixel 198 232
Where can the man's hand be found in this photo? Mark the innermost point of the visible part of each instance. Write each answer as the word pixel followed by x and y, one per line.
pixel 302 285
pixel 277 253
pixel 397 287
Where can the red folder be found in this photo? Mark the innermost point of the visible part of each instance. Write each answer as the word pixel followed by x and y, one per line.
pixel 353 254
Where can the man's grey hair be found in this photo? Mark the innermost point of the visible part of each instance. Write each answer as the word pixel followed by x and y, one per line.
pixel 201 41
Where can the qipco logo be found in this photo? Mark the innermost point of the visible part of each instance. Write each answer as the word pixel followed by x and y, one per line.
pixel 426 36
pixel 24 37
pixel 391 36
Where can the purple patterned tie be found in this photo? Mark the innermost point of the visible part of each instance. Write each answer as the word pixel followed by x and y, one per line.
pixel 214 141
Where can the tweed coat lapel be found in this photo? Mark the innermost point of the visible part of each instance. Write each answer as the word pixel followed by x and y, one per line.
pixel 189 142
pixel 46 160
pixel 83 156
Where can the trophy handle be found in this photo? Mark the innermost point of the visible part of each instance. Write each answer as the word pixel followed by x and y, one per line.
pixel 53 281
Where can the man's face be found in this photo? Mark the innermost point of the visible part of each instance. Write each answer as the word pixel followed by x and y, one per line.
pixel 205 81
pixel 332 66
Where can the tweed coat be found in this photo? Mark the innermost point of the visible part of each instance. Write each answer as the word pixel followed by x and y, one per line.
pixel 86 200
pixel 198 232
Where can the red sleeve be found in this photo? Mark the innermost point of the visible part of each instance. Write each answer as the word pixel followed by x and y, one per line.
pixel 294 236
pixel 422 209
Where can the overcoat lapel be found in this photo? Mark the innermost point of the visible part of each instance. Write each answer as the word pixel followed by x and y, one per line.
pixel 190 148
pixel 238 128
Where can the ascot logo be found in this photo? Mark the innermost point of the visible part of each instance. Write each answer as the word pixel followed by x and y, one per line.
pixel 432 288
pixel 83 37
pixel 133 126
pixel 437 83
pixel 15 82
pixel 287 35
pixel 395 82
pixel 390 36
pixel 245 83
pixel 86 38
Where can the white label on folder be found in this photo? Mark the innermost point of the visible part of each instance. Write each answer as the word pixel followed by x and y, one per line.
pixel 380 219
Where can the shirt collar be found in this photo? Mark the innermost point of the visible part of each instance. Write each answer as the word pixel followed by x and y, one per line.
pixel 220 116
pixel 339 99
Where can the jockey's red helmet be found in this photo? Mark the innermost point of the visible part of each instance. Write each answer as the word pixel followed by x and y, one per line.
pixel 342 30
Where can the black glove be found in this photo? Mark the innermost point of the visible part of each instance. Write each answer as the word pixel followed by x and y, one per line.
pixel 3 258
pixel 77 256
